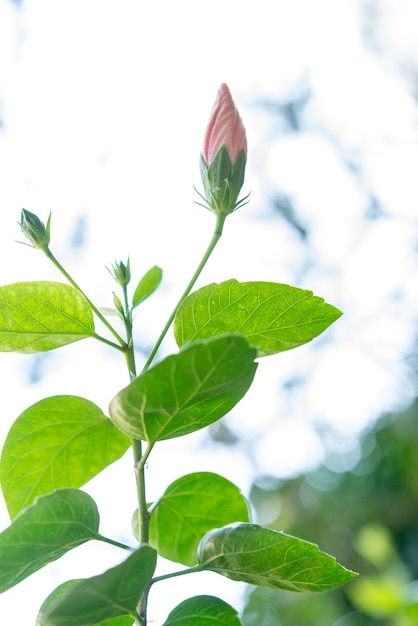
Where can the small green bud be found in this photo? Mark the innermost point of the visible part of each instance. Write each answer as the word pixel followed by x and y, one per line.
pixel 118 305
pixel 121 272
pixel 35 230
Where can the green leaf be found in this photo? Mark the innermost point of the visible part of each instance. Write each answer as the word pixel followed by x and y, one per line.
pixel 189 508
pixel 203 611
pixel 50 527
pixel 267 558
pixel 40 316
pixel 186 391
pixel 271 316
pixel 118 621
pixel 147 285
pixel 62 441
pixel 105 599
pixel 61 593
pixel 125 620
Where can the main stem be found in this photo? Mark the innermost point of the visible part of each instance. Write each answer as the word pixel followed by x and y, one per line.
pixel 220 220
pixel 140 457
pixel 143 515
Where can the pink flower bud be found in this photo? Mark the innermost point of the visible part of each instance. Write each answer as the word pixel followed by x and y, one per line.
pixel 224 156
pixel 225 128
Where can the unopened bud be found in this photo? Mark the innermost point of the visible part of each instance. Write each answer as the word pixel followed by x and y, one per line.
pixel 224 156
pixel 121 272
pixel 35 230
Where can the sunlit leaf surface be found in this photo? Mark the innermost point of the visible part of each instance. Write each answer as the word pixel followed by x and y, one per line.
pixel 47 529
pixel 273 317
pixel 104 600
pixel 62 441
pixel 203 611
pixel 189 508
pixel 264 557
pixel 186 391
pixel 42 315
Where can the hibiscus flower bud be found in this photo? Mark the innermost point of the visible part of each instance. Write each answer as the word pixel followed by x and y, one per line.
pixel 121 272
pixel 35 230
pixel 224 155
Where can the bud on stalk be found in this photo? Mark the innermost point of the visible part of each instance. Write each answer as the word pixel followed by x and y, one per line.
pixel 121 272
pixel 35 230
pixel 224 155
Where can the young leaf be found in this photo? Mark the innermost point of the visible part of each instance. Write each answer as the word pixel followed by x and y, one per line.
pixel 62 441
pixel 186 391
pixel 147 285
pixel 189 508
pixel 268 558
pixel 40 316
pixel 105 599
pixel 271 316
pixel 203 611
pixel 50 527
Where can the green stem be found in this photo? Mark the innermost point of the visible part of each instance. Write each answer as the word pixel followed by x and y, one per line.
pixel 220 219
pixel 129 352
pixel 113 542
pixel 63 271
pixel 107 342
pixel 139 457
pixel 143 514
pixel 146 454
pixel 190 570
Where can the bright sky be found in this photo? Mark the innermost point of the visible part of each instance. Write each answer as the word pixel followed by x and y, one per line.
pixel 104 106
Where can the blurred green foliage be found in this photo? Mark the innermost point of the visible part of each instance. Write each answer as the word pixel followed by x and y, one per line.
pixel 367 517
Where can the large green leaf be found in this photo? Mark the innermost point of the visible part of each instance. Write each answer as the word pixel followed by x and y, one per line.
pixel 56 596
pixel 61 592
pixel 42 315
pixel 272 316
pixel 47 529
pixel 203 611
pixel 105 599
pixel 62 441
pixel 125 620
pixel 186 391
pixel 267 558
pixel 189 508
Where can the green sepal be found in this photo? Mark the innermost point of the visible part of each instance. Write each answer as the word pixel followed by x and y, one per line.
pixel 222 181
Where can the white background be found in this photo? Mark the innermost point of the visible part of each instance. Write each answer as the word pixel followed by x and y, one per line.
pixel 103 107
